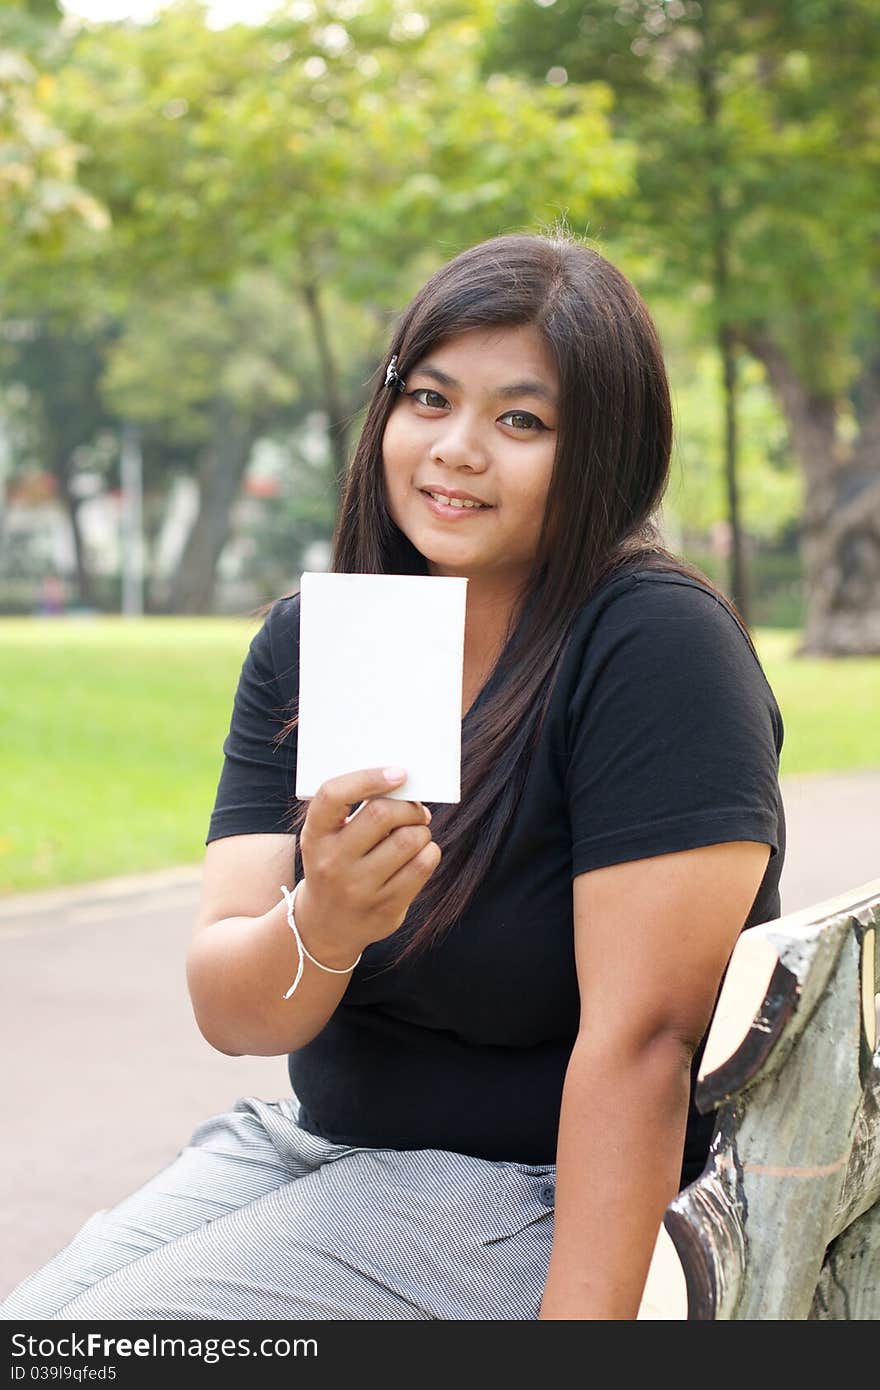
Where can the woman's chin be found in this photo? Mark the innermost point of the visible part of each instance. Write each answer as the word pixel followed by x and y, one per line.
pixel 446 556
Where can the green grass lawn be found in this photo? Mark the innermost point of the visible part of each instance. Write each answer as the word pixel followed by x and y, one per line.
pixel 829 708
pixel 111 736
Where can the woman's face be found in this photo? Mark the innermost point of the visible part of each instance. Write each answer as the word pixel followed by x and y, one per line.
pixel 478 417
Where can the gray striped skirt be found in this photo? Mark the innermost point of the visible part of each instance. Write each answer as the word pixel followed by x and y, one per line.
pixel 256 1218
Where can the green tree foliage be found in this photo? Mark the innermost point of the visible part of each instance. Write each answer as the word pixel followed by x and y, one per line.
pixel 757 200
pixel 40 195
pixel 330 149
pixel 261 200
pixel 344 150
pixel 791 156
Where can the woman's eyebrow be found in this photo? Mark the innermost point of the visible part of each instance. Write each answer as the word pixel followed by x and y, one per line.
pixel 517 388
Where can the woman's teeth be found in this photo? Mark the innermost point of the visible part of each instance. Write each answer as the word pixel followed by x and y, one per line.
pixel 454 501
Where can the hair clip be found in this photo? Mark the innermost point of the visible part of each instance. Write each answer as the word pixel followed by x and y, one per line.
pixel 393 377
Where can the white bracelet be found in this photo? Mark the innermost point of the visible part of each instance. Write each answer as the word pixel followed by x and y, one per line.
pixel 290 898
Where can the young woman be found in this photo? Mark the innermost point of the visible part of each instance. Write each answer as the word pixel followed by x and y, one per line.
pixel 493 1040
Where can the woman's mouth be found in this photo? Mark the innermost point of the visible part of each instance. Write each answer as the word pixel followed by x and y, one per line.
pixel 452 509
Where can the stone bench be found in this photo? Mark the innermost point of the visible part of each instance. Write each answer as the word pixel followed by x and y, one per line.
pixel 784 1222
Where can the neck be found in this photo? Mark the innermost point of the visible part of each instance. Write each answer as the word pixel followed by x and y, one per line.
pixel 487 618
pixel 491 599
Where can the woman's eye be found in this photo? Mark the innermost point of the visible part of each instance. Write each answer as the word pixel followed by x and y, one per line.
pixel 523 420
pixel 436 404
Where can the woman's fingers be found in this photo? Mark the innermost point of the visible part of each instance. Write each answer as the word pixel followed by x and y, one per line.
pixel 399 848
pixel 328 808
pixel 375 824
pixel 414 874
pixel 365 868
pixel 371 821
pixel 360 807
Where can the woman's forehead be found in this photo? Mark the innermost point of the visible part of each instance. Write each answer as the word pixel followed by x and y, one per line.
pixel 492 351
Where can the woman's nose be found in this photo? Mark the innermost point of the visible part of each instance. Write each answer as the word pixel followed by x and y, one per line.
pixel 460 444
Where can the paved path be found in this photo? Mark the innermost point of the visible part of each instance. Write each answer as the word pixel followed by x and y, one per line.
pixel 105 1074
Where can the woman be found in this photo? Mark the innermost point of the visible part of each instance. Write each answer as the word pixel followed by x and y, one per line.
pixel 494 1036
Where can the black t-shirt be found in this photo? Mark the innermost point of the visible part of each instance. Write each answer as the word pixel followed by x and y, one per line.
pixel 662 734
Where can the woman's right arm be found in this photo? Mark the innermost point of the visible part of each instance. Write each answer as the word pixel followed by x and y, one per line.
pixel 362 872
pixel 243 955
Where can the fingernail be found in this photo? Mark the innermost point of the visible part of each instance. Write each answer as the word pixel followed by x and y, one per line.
pixel 427 813
pixel 394 774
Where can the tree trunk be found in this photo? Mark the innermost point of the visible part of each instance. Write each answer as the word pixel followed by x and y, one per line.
pixel 71 505
pixel 841 527
pixel 331 392
pixel 220 471
pixel 719 222
pixel 739 588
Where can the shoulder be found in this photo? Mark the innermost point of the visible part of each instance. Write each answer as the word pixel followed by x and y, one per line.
pixel 280 625
pixel 273 655
pixel 637 599
pixel 655 611
pixel 658 634
pixel 282 617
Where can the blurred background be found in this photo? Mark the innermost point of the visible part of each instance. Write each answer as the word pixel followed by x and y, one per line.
pixel 210 215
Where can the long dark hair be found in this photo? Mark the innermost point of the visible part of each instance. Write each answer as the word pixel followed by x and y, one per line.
pixel 610 473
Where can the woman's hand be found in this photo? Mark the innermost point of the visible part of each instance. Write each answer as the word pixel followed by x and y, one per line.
pixel 361 871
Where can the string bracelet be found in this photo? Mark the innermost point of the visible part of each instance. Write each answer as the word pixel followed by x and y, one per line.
pixel 290 898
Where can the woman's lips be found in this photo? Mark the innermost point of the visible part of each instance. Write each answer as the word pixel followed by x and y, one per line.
pixel 446 513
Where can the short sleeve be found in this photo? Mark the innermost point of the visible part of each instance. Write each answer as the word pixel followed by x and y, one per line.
pixel 256 790
pixel 673 731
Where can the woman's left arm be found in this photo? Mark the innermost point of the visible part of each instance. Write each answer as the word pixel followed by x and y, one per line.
pixel 652 939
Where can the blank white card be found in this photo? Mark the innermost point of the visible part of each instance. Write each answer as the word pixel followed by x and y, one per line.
pixel 380 680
